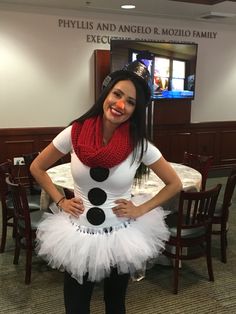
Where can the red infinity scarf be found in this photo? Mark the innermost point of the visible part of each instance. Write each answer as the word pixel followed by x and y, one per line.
pixel 88 143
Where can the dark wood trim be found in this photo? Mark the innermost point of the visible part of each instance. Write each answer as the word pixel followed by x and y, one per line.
pixel 25 131
pixel 14 142
pixel 101 68
pixel 176 111
pixel 17 141
pixel 209 138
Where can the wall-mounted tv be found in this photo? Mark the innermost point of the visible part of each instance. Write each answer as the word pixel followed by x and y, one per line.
pixel 172 65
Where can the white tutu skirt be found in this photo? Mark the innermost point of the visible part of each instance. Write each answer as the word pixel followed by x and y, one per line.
pixel 81 250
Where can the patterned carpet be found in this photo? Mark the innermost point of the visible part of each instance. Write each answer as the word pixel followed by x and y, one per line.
pixel 152 295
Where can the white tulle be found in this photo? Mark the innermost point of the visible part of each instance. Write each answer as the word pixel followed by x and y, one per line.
pixel 81 250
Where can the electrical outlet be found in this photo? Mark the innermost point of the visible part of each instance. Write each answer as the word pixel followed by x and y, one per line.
pixel 18 161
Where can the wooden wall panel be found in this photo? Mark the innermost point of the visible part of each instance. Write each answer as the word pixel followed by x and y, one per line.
pixel 227 147
pixel 180 142
pixel 19 146
pixel 215 138
pixel 205 142
pixel 101 68
pixel 172 111
pixel 18 141
pixel 212 138
pixel 162 141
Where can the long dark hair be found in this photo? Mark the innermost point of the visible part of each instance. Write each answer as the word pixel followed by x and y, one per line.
pixel 138 132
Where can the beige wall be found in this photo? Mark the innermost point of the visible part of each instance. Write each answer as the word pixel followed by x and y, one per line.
pixel 46 71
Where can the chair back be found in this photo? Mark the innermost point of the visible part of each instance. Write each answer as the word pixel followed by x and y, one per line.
pixel 199 162
pixel 5 170
pixel 6 203
pixel 228 193
pixel 21 207
pixel 25 223
pixel 28 158
pixel 195 211
pixel 193 230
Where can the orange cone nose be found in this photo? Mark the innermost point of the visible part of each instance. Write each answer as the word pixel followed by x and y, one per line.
pixel 120 104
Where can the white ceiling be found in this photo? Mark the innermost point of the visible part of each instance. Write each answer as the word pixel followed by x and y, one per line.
pixel 160 8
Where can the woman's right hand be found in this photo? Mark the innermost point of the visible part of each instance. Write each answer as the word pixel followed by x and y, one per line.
pixel 73 206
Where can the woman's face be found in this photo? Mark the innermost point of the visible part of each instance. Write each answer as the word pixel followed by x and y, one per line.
pixel 120 103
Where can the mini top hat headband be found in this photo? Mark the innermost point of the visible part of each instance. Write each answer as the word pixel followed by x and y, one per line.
pixel 135 69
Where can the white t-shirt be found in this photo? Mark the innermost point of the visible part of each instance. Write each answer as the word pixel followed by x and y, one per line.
pixel 99 193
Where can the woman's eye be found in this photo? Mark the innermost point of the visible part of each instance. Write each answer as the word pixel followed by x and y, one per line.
pixel 117 94
pixel 132 102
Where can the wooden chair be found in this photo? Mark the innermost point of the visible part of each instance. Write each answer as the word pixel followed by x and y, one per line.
pixel 190 238
pixel 221 214
pixel 199 162
pixel 7 203
pixel 33 185
pixel 26 224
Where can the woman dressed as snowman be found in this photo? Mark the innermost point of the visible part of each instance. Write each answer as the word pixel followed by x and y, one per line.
pixel 102 233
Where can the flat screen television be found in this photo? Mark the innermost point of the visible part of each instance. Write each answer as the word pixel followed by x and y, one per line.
pixel 172 65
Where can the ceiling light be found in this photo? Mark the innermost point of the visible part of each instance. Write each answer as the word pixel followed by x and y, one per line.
pixel 128 6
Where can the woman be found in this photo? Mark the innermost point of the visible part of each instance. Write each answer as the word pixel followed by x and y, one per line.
pixel 103 233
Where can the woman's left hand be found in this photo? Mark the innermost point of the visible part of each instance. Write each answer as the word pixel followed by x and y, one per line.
pixel 127 209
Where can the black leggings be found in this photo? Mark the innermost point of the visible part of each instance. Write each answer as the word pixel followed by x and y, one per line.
pixel 77 297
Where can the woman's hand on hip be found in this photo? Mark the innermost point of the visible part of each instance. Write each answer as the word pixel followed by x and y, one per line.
pixel 127 209
pixel 73 206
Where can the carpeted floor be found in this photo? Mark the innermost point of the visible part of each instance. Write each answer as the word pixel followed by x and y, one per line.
pixel 152 295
